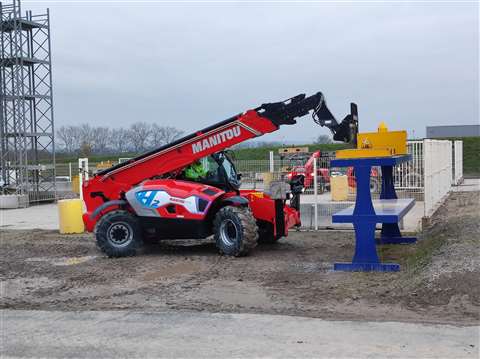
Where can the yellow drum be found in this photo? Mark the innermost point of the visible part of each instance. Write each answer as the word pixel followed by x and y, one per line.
pixel 339 188
pixel 267 178
pixel 70 216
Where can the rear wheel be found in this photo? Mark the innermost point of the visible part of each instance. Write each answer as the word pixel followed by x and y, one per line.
pixel 118 234
pixel 235 231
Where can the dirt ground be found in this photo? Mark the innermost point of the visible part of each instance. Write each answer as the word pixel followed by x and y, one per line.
pixel 438 281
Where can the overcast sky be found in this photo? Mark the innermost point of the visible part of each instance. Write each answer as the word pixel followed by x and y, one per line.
pixel 190 65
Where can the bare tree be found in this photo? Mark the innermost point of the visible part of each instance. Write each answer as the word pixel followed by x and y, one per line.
pixel 87 139
pixel 139 136
pixel 119 140
pixel 101 139
pixel 323 139
pixel 162 135
pixel 69 138
pixel 86 136
pixel 171 134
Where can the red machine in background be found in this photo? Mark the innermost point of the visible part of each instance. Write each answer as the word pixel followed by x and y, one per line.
pixel 323 172
pixel 149 196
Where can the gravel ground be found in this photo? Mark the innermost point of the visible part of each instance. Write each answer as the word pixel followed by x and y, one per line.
pixel 438 283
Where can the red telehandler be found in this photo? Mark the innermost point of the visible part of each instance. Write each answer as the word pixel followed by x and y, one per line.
pixel 149 196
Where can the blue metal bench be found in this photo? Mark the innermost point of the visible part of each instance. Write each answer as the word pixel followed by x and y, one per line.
pixel 365 214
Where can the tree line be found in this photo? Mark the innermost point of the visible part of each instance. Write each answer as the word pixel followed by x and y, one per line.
pixel 85 139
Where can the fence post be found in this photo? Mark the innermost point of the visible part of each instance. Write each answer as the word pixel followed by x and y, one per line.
pixel 457 162
pixel 315 192
pixel 272 167
pixel 82 174
pixel 427 176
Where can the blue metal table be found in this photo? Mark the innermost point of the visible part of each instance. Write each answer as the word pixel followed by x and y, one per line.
pixel 388 210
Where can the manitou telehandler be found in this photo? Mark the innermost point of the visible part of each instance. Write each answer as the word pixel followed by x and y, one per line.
pixel 150 197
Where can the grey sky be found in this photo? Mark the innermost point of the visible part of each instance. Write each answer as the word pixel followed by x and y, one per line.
pixel 190 65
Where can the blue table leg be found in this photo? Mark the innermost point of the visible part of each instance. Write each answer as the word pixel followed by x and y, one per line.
pixel 366 257
pixel 390 234
pixel 388 187
pixel 363 201
pixel 390 231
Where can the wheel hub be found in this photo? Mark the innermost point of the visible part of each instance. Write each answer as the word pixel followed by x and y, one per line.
pixel 120 234
pixel 228 232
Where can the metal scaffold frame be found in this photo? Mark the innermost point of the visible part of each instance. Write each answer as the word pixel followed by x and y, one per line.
pixel 27 150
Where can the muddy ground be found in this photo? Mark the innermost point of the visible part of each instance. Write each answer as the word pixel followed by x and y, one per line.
pixel 438 282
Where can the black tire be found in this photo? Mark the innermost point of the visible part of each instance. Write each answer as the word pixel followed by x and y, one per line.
pixel 118 234
pixel 235 231
pixel 265 233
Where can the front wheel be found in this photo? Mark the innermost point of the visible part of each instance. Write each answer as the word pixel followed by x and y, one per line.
pixel 118 234
pixel 235 231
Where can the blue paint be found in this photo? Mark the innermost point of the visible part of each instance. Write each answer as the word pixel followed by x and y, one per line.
pixel 388 188
pixel 366 214
pixel 371 161
pixel 147 198
pixel 365 250
pixel 366 267
pixel 384 211
pixel 363 202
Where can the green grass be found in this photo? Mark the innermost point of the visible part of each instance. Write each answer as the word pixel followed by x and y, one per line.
pixel 414 257
pixel 471 156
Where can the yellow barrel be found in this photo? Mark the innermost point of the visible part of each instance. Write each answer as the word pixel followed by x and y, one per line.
pixel 267 178
pixel 70 216
pixel 339 188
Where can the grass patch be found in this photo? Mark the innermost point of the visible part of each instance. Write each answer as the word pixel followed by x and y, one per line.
pixel 413 257
pixel 471 155
pixel 424 249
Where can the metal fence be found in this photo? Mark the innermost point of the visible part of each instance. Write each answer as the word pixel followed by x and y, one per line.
pixel 427 178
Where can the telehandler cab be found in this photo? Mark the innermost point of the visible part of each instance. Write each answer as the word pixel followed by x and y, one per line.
pixel 149 195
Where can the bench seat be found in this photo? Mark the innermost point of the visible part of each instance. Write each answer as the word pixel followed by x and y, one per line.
pixel 386 211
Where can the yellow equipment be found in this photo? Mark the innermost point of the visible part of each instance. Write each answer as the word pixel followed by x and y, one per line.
pixel 70 216
pixel 339 188
pixel 290 150
pixel 104 165
pixel 382 143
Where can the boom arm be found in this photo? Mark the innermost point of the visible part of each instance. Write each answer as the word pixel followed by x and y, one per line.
pixel 253 123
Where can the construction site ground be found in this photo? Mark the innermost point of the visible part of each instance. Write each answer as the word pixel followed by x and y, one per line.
pixel 438 281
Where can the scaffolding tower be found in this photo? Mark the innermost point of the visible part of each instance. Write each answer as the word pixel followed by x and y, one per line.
pixel 27 152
